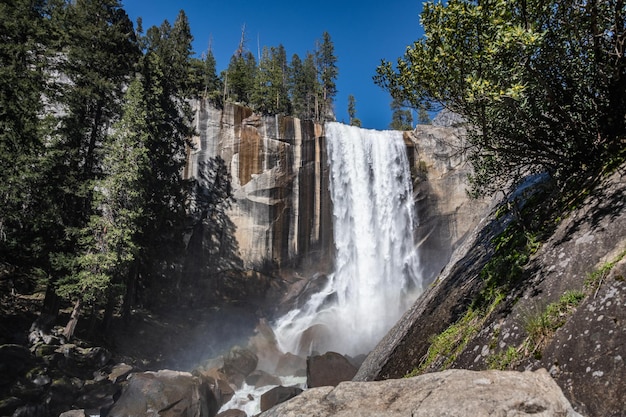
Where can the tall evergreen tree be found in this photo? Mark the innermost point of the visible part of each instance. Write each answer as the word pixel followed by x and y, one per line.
pixel 97 54
pixel 327 73
pixel 401 117
pixel 304 86
pixel 354 121
pixel 24 32
pixel 167 131
pixel 270 93
pixel 108 243
pixel 239 77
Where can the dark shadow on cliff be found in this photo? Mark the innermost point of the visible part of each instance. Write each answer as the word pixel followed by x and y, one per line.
pixel 212 304
pixel 601 204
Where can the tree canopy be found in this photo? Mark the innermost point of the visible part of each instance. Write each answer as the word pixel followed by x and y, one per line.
pixel 541 84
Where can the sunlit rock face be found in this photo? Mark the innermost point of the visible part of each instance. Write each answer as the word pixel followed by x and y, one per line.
pixel 279 178
pixel 445 211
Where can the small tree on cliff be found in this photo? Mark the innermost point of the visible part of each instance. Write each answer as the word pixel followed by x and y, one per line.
pixel 401 117
pixel 354 121
pixel 542 84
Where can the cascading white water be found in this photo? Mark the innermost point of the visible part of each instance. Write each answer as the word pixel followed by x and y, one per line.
pixel 377 274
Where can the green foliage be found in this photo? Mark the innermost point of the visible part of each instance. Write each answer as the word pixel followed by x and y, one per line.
pixel 327 71
pixel 504 359
pixel 203 79
pixel 541 84
pixel 23 57
pixel 304 87
pixel 239 78
pixel 447 345
pixel 94 134
pixel 401 117
pixel 542 325
pixel 108 243
pixel 594 279
pixel 271 85
pixel 354 121
pixel 512 250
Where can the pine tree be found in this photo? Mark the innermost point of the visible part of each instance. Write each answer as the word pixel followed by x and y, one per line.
pixel 23 56
pixel 401 117
pixel 108 243
pixel 304 87
pixel 270 93
pixel 354 121
pixel 327 74
pixel 97 54
pixel 167 132
pixel 239 78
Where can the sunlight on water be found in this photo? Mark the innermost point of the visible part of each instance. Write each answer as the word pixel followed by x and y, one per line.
pixel 248 398
pixel 377 273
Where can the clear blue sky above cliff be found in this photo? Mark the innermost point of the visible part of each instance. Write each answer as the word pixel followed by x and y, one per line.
pixel 363 32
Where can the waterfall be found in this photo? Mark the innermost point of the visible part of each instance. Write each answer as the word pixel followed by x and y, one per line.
pixel 377 274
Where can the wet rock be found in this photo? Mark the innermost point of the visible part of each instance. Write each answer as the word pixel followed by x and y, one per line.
pixel 97 396
pixel 232 413
pixel 238 364
pixel 240 361
pixel 290 364
pixel 119 372
pixel 64 390
pixel 260 378
pixel 218 383
pixel 448 393
pixel 73 413
pixel 175 394
pixel 278 395
pixel 330 368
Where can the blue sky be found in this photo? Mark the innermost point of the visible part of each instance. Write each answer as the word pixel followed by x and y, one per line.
pixel 363 32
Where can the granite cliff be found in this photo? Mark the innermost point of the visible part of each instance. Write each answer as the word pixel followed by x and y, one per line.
pixel 561 308
pixel 282 211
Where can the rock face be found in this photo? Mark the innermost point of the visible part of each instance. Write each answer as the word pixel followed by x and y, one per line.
pixel 279 175
pixel 279 180
pixel 448 393
pixel 585 356
pixel 331 368
pixel 164 393
pixel 445 212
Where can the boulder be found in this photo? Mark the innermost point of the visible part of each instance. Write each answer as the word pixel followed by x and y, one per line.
pixel 278 395
pixel 330 368
pixel 164 393
pixel 218 383
pixel 100 396
pixel 239 361
pixel 119 372
pixel 448 393
pixel 13 360
pixel 290 364
pixel 260 378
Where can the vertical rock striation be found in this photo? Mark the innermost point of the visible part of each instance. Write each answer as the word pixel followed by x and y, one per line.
pixel 279 177
pixel 279 180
